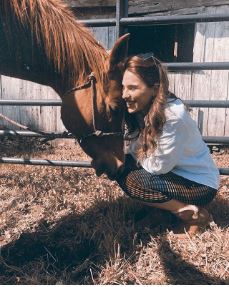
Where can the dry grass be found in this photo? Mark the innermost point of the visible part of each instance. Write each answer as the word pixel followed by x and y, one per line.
pixel 66 226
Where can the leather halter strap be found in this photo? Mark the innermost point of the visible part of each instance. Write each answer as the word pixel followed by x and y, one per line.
pixel 96 132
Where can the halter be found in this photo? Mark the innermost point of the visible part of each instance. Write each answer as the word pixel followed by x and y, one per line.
pixel 96 132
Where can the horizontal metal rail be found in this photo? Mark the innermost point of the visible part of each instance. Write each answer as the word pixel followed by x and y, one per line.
pixel 64 163
pixel 191 103
pixel 174 19
pixel 15 133
pixel 184 66
pixel 30 103
pixel 47 162
pixel 207 104
pixel 224 171
pixel 99 22
pixel 157 20
pixel 216 140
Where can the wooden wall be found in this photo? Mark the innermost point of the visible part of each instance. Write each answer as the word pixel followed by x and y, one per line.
pixel 211 44
pixel 165 7
pixel 43 118
pixel 106 8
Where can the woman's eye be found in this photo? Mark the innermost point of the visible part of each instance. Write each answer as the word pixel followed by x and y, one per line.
pixel 132 88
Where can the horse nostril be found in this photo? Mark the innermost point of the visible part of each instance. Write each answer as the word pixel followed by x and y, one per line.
pixel 98 166
pixel 99 171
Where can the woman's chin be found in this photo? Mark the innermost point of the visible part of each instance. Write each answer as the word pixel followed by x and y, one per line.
pixel 131 110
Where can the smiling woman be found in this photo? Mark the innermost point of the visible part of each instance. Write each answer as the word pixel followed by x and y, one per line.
pixel 136 93
pixel 62 53
pixel 170 166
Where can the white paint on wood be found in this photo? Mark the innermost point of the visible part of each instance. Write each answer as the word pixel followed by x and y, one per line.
pixel 226 132
pixel 216 38
pixel 40 118
pixel 105 35
pixel 170 6
pixel 90 3
pixel 210 45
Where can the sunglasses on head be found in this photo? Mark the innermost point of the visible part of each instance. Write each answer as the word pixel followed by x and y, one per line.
pixel 146 56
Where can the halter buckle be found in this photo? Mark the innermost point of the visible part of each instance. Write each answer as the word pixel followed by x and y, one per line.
pixel 98 133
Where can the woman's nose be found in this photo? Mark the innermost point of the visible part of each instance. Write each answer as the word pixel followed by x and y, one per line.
pixel 125 95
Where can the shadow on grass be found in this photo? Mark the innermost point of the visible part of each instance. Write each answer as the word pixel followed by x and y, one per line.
pixel 79 245
pixel 180 272
pixel 15 145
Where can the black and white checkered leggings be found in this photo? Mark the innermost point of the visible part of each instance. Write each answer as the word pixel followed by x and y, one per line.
pixel 144 186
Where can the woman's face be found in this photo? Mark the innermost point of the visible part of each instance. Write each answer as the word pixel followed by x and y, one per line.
pixel 136 93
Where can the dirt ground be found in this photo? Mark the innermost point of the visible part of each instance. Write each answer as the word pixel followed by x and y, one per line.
pixel 67 226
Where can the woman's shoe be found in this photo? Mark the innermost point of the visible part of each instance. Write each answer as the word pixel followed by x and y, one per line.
pixel 193 222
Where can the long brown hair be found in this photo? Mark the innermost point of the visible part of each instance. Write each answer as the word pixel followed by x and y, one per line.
pixel 154 74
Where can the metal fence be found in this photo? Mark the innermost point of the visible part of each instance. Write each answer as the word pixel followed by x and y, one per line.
pixel 122 22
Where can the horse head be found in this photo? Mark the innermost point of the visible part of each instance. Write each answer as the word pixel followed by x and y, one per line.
pixel 99 128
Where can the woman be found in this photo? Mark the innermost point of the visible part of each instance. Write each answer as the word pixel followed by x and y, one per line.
pixel 172 168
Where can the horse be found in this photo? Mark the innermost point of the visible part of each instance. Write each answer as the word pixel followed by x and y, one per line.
pixel 41 41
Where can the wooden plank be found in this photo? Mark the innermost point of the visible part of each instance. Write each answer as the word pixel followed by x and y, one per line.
pixel 153 6
pixel 105 36
pixel 211 41
pixel 10 90
pixel 94 13
pixel 147 6
pixel 201 80
pixel 226 131
pixel 217 117
pixel 171 77
pixel 49 117
pixel 180 84
pixel 1 122
pixel 90 3
pixel 39 118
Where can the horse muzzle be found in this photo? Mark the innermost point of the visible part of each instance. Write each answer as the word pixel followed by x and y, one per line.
pixel 111 172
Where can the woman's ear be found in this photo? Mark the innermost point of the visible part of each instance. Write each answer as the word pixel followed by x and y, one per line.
pixel 119 51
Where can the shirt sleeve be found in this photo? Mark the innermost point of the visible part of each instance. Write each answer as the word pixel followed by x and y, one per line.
pixel 170 147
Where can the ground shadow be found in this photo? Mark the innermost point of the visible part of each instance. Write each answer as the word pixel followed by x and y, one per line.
pixel 180 272
pixel 73 246
pixel 20 145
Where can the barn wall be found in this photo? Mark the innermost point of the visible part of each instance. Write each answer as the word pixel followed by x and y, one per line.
pixel 171 7
pixel 106 8
pixel 210 45
pixel 43 118
pixel 211 42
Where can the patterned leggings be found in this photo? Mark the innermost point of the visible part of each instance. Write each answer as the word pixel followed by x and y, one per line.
pixel 140 184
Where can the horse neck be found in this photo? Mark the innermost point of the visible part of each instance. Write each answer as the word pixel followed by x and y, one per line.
pixel 19 58
pixel 32 54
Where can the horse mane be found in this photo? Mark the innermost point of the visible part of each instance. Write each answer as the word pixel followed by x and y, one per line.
pixel 68 44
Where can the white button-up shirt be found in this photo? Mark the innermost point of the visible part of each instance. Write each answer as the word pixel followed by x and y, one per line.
pixel 180 149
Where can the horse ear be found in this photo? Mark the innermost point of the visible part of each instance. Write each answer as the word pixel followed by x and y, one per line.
pixel 120 50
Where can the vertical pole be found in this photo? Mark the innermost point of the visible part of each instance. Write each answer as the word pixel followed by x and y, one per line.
pixel 121 11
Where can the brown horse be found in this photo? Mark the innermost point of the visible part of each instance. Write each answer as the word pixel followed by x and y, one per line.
pixel 41 41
